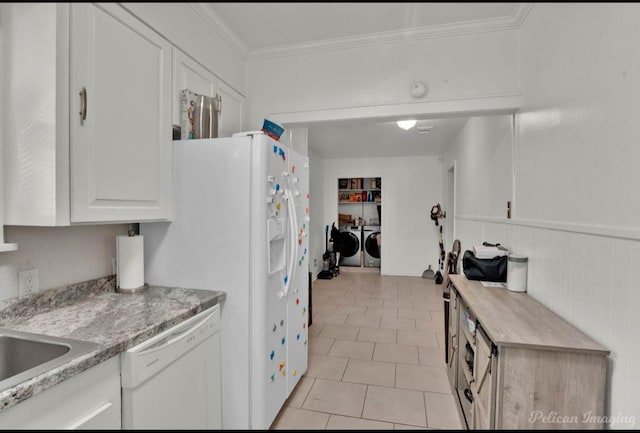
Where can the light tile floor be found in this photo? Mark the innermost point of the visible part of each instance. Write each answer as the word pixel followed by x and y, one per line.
pixel 376 357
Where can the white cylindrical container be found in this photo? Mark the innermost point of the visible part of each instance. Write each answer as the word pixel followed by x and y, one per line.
pixel 130 256
pixel 517 273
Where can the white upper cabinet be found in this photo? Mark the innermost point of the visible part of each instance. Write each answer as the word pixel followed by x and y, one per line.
pixel 232 111
pixel 189 74
pixel 86 115
pixel 35 113
pixel 121 127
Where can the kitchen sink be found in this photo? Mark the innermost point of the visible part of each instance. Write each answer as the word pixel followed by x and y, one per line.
pixel 24 355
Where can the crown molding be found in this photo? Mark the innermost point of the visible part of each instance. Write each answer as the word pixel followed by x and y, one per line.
pixel 221 28
pixel 521 14
pixel 393 37
pixel 398 36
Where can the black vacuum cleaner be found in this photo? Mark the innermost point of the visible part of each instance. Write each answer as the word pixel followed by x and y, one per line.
pixel 437 213
pixel 326 273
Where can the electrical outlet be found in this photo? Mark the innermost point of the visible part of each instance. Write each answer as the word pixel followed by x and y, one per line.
pixel 315 262
pixel 28 281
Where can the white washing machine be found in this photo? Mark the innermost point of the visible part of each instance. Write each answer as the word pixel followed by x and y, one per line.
pixel 371 237
pixel 351 242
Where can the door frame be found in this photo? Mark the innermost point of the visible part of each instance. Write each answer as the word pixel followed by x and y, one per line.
pixel 450 203
pixel 463 107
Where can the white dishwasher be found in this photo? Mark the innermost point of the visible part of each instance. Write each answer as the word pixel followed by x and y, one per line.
pixel 172 380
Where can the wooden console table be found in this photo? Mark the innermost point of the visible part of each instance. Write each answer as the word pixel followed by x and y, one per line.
pixel 515 364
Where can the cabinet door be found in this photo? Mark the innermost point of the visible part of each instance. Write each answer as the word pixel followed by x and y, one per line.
pixel 483 386
pixel 89 400
pixel 232 110
pixel 121 127
pixel 452 356
pixel 189 74
pixel 35 108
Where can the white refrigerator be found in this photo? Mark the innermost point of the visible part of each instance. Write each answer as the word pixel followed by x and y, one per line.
pixel 240 224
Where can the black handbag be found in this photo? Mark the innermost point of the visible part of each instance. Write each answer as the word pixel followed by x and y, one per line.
pixel 494 269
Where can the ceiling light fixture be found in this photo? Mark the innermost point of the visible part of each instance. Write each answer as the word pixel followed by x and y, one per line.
pixel 406 124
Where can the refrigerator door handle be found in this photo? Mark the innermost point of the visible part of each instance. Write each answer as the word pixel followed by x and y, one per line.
pixel 293 244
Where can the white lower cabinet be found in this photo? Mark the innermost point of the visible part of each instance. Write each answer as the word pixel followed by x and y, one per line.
pixel 90 400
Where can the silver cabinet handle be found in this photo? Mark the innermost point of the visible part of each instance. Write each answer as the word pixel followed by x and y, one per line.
pixel 83 105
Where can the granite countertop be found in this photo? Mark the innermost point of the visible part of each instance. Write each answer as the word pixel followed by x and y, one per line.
pixel 93 311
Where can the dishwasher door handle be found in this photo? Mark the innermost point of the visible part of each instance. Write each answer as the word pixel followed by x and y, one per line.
pixel 174 337
pixel 146 359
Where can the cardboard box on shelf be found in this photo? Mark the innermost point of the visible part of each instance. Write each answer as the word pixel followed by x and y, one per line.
pixel 188 102
pixel 344 219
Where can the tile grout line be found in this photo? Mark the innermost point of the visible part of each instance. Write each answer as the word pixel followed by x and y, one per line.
pixel 395 375
pixel 426 415
pixel 364 402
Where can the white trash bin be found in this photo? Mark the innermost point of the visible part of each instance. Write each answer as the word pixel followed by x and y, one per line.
pixel 517 273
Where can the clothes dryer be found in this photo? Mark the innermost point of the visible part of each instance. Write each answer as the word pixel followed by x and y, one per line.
pixel 351 241
pixel 371 239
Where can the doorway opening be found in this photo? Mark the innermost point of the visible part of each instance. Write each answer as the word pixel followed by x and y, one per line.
pixel 360 217
pixel 338 140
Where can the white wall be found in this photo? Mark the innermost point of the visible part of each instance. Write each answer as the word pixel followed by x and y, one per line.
pixel 482 154
pixel 62 255
pixel 576 163
pixel 484 178
pixel 575 211
pixel 577 154
pixel 457 67
pixel 410 187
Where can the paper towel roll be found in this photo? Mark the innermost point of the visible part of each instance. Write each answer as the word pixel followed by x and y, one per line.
pixel 130 256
